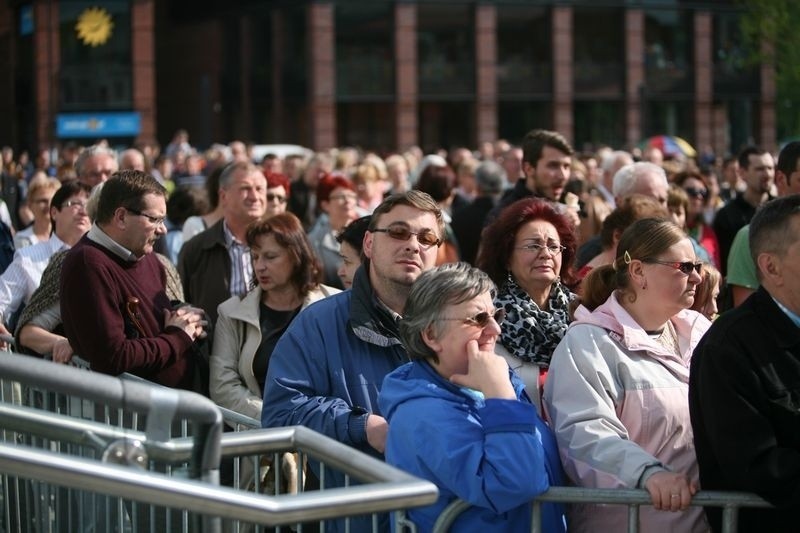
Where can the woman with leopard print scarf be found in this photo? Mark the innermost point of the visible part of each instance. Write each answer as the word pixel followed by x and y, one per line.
pixel 528 252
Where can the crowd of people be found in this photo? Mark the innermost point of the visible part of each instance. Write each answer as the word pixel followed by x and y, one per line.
pixel 498 321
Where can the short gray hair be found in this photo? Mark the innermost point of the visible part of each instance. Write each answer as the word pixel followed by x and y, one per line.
pixel 490 177
pixel 625 179
pixel 434 290
pixel 91 151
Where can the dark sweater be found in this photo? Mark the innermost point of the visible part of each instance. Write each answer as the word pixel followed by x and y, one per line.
pixel 96 287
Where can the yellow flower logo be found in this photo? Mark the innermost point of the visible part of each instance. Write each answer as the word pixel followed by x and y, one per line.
pixel 94 26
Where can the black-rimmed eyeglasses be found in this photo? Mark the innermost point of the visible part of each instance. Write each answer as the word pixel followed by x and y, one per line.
pixel 155 220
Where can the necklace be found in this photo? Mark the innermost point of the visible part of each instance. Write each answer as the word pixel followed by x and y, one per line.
pixel 668 339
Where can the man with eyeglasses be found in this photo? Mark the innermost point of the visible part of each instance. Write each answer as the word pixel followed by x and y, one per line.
pixel 96 164
pixel 215 264
pixel 115 310
pixel 327 369
pixel 23 275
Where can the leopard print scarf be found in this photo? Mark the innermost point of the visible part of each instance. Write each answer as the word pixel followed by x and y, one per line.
pixel 528 332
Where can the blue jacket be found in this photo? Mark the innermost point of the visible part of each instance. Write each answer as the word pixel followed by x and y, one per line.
pixel 494 454
pixel 327 369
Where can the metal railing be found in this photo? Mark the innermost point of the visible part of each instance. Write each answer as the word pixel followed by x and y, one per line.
pixel 59 475
pixel 730 502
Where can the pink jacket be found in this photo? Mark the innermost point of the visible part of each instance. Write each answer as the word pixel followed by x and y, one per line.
pixel 618 403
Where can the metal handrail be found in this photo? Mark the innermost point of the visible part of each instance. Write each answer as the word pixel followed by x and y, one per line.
pixel 729 501
pixel 392 489
pixel 128 395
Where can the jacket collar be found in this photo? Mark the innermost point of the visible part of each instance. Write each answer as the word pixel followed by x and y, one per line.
pixel 370 320
pixel 786 334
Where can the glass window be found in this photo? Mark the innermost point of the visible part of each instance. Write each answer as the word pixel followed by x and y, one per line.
pixel 516 118
pixel 446 125
pixel 367 125
pixel 278 76
pixel 598 123
pixel 364 49
pixel 95 72
pixel 524 50
pixel 670 118
pixel 732 73
pixel 446 49
pixel 599 51
pixel 669 51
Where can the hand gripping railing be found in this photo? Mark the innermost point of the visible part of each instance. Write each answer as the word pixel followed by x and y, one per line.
pixel 633 498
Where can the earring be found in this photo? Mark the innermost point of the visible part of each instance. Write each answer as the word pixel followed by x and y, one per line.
pixel 644 285
pixel 509 278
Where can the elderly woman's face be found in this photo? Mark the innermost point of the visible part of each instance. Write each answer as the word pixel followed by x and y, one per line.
pixel 534 268
pixel 459 328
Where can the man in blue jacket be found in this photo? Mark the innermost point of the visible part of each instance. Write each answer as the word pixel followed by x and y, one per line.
pixel 327 369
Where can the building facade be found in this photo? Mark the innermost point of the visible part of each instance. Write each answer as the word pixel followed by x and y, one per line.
pixel 383 75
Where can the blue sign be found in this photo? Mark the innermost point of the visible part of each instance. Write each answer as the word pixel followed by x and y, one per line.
pixel 84 125
pixel 25 20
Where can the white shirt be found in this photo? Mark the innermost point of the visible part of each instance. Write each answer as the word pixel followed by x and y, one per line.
pixel 24 274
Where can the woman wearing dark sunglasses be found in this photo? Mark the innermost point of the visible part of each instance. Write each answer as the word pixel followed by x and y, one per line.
pixel 459 417
pixel 617 390
pixel 696 188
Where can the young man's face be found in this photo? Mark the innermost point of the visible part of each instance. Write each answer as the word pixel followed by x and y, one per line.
pixel 397 261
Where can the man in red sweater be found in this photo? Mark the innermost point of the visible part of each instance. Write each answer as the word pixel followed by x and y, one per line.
pixel 115 310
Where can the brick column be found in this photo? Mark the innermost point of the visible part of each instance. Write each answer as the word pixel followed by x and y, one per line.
pixel 486 73
pixel 634 75
pixel 7 85
pixel 703 80
pixel 46 57
pixel 143 66
pixel 767 136
pixel 405 50
pixel 322 81
pixel 563 87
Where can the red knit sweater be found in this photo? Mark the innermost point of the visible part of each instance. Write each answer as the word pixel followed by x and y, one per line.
pixel 96 287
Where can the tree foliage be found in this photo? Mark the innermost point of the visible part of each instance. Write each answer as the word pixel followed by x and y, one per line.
pixel 770 33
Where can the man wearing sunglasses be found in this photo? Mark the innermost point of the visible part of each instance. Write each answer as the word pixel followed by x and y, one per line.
pixel 327 369
pixel 743 384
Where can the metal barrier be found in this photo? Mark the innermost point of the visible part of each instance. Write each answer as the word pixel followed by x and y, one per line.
pixel 66 435
pixel 632 498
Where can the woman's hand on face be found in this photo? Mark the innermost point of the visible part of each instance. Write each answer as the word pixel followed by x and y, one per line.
pixel 486 372
pixel 670 491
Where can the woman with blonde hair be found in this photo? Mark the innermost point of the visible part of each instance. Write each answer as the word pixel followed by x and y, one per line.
pixel 40 191
pixel 617 390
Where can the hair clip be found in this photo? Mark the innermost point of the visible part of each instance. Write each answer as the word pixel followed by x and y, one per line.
pixel 627 257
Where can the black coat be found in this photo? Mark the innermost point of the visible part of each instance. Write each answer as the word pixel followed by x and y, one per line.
pixel 744 401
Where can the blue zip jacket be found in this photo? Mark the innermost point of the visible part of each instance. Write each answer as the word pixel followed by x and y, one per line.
pixel 494 454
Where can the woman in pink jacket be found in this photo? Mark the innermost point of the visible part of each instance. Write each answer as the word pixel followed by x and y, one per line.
pixel 617 391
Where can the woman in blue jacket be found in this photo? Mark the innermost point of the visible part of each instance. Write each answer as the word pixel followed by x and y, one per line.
pixel 459 417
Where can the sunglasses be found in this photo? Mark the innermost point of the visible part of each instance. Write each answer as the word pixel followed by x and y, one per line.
pixel 425 237
pixel 685 267
pixel 276 198
pixel 482 319
pixel 696 193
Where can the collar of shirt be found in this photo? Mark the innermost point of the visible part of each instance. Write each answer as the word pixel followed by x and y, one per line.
pixel 230 238
pixel 101 237
pixel 794 317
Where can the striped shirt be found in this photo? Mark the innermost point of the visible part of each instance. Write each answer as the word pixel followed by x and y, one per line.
pixel 241 265
pixel 23 275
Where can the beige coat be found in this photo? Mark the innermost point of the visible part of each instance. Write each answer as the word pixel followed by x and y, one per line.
pixel 232 382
